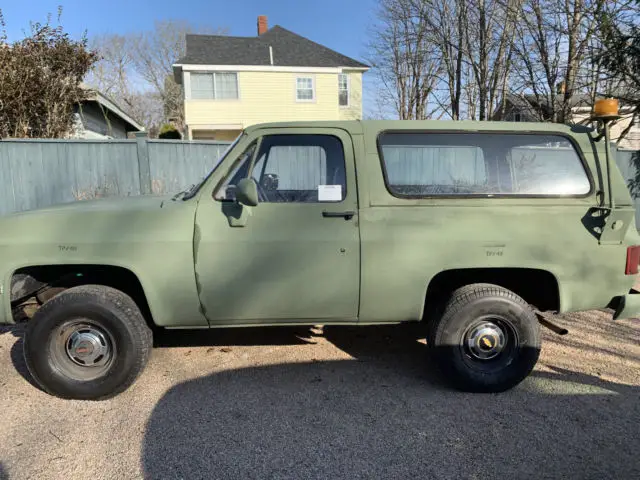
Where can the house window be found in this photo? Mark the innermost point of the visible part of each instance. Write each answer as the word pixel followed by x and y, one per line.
pixel 343 90
pixel 305 89
pixel 517 117
pixel 218 85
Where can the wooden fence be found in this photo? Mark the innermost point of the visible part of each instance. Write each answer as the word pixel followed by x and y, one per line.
pixel 40 173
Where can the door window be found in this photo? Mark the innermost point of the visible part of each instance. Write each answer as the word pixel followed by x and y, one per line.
pixel 300 169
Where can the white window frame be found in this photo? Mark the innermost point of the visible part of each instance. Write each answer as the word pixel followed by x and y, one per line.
pixel 313 88
pixel 348 90
pixel 213 74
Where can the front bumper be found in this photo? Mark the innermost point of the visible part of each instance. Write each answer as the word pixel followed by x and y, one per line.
pixel 628 306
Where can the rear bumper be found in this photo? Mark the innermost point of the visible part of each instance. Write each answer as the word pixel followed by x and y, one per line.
pixel 628 306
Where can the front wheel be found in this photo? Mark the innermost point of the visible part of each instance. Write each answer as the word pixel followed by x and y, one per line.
pixel 89 343
pixel 487 340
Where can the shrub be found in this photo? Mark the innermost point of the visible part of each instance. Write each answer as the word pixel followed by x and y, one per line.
pixel 40 81
pixel 169 132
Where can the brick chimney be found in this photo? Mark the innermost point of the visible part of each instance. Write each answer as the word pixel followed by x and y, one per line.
pixel 263 26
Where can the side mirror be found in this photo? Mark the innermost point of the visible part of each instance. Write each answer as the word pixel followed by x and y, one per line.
pixel 247 192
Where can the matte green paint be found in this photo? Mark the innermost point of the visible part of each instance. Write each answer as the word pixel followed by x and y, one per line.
pixel 201 261
pixel 247 192
pixel 151 236
pixel 287 263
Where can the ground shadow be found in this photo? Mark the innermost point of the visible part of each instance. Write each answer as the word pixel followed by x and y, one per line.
pixel 385 415
pixel 6 329
pixel 232 336
pixel 17 354
pixel 186 338
pixel 3 474
pixel 359 342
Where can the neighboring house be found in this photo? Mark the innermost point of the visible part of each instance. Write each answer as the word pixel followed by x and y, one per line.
pixel 524 108
pixel 233 82
pixel 99 117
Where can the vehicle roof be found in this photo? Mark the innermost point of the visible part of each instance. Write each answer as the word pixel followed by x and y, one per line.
pixel 360 126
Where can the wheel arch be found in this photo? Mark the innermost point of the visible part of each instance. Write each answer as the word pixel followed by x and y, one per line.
pixel 116 276
pixel 538 287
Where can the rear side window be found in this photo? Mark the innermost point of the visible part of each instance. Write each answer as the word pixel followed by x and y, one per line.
pixel 459 164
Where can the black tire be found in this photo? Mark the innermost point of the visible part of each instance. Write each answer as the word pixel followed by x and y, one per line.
pixel 468 357
pixel 103 313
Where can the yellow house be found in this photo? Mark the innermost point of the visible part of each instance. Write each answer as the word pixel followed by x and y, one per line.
pixel 230 83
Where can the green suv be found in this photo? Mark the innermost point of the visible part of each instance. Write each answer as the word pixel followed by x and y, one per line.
pixel 474 228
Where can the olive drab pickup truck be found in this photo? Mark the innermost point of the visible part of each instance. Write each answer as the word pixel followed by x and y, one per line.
pixel 477 229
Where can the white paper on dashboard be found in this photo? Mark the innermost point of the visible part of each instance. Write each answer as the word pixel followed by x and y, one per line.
pixel 329 193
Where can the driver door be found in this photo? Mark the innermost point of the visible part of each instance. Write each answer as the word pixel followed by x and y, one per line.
pixel 295 257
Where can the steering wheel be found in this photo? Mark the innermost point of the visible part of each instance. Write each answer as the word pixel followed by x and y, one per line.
pixel 262 194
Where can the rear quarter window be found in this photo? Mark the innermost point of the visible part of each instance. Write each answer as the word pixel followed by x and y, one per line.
pixel 485 164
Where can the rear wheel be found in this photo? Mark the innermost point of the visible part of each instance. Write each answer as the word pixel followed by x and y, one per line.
pixel 89 342
pixel 487 339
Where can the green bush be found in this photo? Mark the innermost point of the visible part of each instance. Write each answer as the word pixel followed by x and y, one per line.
pixel 169 132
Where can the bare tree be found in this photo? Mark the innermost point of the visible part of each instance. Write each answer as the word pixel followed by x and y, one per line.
pixel 489 30
pixel 136 70
pixel 115 76
pixel 154 52
pixel 617 56
pixel 466 47
pixel 445 20
pixel 551 49
pixel 403 60
pixel 478 51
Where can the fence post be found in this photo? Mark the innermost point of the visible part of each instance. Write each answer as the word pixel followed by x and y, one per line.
pixel 144 169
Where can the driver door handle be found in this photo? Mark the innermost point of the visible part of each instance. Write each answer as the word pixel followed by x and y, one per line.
pixel 348 215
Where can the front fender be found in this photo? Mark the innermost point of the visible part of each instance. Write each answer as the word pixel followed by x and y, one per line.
pixel 150 237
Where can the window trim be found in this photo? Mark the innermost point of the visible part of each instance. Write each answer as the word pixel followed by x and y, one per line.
pixel 344 160
pixel 213 75
pixel 252 163
pixel 348 90
pixel 258 142
pixel 574 144
pixel 313 89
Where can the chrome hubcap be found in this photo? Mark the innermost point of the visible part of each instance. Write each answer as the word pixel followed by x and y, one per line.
pixel 82 349
pixel 485 341
pixel 88 346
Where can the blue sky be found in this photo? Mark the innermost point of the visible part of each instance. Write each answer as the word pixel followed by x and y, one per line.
pixel 338 24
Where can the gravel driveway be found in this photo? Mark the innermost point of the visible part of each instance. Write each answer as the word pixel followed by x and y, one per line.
pixel 346 403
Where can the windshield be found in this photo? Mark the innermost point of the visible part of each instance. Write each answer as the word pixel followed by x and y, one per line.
pixel 193 190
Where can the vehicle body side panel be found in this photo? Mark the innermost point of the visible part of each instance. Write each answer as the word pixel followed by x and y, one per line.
pixel 406 242
pixel 150 236
pixel 288 262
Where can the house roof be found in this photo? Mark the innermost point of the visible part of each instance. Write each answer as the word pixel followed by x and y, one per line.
pixel 531 101
pixel 289 49
pixel 577 101
pixel 105 102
